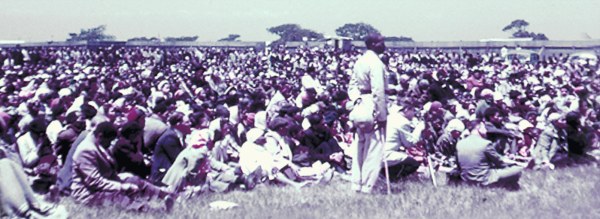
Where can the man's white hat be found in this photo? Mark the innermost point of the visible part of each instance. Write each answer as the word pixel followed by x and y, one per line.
pixel 455 125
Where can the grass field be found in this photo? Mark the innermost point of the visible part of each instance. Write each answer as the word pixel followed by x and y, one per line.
pixel 571 192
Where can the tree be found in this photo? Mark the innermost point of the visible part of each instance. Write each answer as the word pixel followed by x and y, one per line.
pixel 94 34
pixel 356 31
pixel 516 26
pixel 399 39
pixel 293 32
pixel 181 39
pixel 231 37
pixel 539 36
pixel 143 39
pixel 519 30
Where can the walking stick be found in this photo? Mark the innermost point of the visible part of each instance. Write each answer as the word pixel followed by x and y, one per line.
pixel 431 170
pixel 385 164
pixel 430 165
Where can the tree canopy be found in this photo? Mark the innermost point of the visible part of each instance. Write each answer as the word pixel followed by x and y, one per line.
pixel 357 31
pixel 518 28
pixel 94 34
pixel 516 25
pixel 399 39
pixel 144 39
pixel 231 37
pixel 181 39
pixel 293 32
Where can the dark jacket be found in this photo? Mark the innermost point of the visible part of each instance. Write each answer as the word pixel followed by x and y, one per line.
pixel 167 148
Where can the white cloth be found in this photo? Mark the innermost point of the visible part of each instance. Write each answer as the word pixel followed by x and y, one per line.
pixel 28 150
pixel 369 75
pixel 399 133
pixel 52 131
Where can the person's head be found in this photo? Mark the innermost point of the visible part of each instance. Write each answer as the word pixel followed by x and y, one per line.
pixel 88 111
pixel 104 133
pixel 279 125
pixel 314 119
pixel 409 112
pixel 222 112
pixel 487 95
pixel 37 126
pixel 138 116
pixel 492 114
pixel 58 111
pixel 175 118
pixel 455 127
pixel 132 131
pixel 572 119
pixel 198 119
pixel 375 42
pixel 423 84
pixel 295 131
pixel 556 119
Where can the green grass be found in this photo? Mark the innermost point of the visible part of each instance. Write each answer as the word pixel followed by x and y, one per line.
pixel 571 192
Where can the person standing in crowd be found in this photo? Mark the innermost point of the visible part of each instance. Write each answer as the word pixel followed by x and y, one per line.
pixel 369 80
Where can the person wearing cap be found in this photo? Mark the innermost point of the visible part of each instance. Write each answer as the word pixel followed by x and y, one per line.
pixel 369 82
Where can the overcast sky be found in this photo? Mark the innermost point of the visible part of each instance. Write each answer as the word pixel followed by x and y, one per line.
pixel 423 20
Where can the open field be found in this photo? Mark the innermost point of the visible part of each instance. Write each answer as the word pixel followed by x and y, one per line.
pixel 571 192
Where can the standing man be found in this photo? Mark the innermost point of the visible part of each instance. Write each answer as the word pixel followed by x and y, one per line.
pixel 367 86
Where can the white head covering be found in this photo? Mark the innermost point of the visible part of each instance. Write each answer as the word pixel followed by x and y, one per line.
pixel 260 120
pixel 553 117
pixel 486 92
pixel 524 124
pixel 455 125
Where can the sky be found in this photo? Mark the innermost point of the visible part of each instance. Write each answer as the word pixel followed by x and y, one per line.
pixel 423 20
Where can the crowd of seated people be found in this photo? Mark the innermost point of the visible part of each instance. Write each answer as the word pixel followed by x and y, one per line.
pixel 127 124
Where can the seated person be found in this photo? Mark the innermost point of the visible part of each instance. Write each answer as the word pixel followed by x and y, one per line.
pixel 480 163
pixel 17 197
pixel 168 146
pixel 129 158
pixel 321 144
pixel 550 144
pixel 401 134
pixel 95 179
pixel 446 144
pixel 37 156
